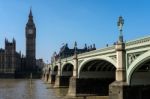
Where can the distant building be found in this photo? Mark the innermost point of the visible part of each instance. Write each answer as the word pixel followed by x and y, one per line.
pixel 9 58
pixel 40 64
pixel 12 62
pixel 65 51
pixel 30 32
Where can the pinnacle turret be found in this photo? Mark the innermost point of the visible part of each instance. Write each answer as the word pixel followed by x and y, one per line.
pixel 30 14
pixel 30 22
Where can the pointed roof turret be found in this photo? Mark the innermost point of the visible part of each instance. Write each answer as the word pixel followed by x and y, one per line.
pixel 94 48
pixel 14 41
pixel 6 41
pixel 75 47
pixel 75 44
pixel 30 14
pixel 85 47
pixel 30 22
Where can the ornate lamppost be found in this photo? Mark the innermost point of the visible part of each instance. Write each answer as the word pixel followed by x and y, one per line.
pixel 120 26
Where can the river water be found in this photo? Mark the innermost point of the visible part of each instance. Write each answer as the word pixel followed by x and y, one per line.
pixel 33 89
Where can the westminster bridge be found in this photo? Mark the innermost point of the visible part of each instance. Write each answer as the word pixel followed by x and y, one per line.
pixel 123 68
pixel 121 71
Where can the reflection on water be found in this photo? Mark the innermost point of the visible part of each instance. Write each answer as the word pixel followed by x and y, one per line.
pixel 25 89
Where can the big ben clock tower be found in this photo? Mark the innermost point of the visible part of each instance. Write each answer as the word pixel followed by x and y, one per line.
pixel 30 32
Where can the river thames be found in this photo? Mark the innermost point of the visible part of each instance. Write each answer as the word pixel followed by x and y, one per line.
pixel 35 89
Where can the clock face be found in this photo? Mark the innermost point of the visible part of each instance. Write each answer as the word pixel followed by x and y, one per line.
pixel 30 31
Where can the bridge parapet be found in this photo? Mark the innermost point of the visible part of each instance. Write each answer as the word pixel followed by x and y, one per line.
pixel 101 51
pixel 111 49
pixel 138 42
pixel 66 59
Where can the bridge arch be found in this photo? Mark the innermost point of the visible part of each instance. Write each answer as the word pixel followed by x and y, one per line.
pixel 54 73
pixel 49 69
pixel 66 73
pixel 136 66
pixel 98 72
pixel 107 59
pixel 55 69
pixel 67 69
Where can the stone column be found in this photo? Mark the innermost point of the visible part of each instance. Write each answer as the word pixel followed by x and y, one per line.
pixel 72 91
pixel 121 62
pixel 49 77
pixel 45 79
pixel 58 76
pixel 43 76
pixel 118 88
pixel 47 74
pixel 52 77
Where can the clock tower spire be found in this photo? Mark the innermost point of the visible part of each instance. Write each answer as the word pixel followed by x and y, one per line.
pixel 30 32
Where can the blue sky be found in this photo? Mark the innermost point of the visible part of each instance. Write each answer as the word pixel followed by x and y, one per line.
pixel 67 21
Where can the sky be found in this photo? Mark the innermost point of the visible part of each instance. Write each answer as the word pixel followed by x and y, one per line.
pixel 66 21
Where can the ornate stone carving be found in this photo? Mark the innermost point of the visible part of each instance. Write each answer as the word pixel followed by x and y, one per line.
pixel 138 41
pixel 79 62
pixel 113 57
pixel 132 56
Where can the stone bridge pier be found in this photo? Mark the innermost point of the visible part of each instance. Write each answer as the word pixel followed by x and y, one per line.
pixel 51 77
pixel 49 74
pixel 45 75
pixel 53 73
pixel 116 89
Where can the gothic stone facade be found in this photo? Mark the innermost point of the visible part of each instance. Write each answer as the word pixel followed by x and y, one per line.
pixel 30 44
pixel 9 59
pixel 12 62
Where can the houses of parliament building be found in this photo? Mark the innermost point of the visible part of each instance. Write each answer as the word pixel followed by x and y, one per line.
pixel 12 63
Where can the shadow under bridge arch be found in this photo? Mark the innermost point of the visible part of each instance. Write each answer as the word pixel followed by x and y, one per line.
pixel 67 72
pixel 67 69
pixel 54 73
pixel 95 75
pixel 48 74
pixel 139 71
pixel 138 76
